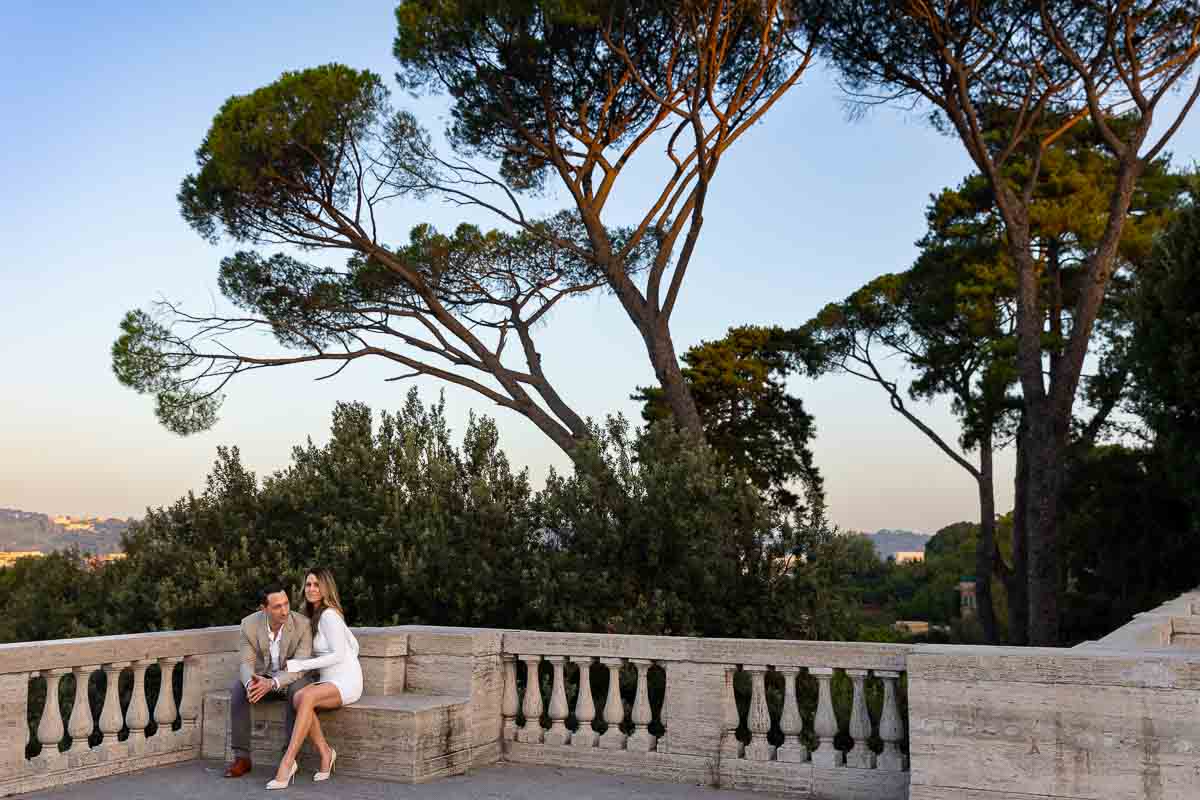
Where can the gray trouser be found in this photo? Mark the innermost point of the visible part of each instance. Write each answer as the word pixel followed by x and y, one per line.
pixel 239 713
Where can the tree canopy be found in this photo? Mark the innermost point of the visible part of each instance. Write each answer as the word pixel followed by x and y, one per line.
pixel 739 383
pixel 569 92
pixel 1009 79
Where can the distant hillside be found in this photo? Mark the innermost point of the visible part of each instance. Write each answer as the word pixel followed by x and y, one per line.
pixel 889 542
pixel 28 530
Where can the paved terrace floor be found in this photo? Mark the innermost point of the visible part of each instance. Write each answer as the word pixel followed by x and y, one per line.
pixel 202 779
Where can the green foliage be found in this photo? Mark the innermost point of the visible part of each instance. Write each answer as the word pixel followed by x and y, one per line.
pixel 416 529
pixel 1128 540
pixel 951 316
pixel 52 597
pixel 268 148
pixel 653 532
pixel 739 383
pixel 143 360
pixel 1165 351
pixel 673 541
pixel 531 81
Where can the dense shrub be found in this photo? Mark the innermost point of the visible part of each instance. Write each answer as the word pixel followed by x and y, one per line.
pixel 651 532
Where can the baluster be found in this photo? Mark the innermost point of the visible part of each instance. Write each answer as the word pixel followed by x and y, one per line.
pixel 191 699
pixel 165 709
pixel 730 720
pixel 508 708
pixel 792 750
pixel 137 716
pixel 614 710
pixel 641 740
pixel 585 708
pixel 663 745
pixel 531 733
pixel 825 723
pixel 80 723
pixel 759 719
pixel 558 733
pixel 860 755
pixel 50 729
pixel 111 720
pixel 891 726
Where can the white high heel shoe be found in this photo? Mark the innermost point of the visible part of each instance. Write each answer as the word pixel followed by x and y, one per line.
pixel 324 776
pixel 274 784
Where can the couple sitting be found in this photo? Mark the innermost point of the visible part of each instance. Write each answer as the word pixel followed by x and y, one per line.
pixel 277 652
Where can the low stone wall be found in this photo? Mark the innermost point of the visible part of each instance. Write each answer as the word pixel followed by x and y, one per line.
pixel 203 655
pixel 1001 724
pixel 695 736
pixel 1117 719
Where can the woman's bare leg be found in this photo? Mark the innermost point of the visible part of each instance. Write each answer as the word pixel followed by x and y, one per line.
pixel 309 700
pixel 317 737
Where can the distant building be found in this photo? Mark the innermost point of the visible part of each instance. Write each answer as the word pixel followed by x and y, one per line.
pixel 10 557
pixel 906 556
pixel 95 562
pixel 966 598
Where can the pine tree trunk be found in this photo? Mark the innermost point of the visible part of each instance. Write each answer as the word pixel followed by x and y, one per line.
pixel 1044 459
pixel 670 377
pixel 986 544
pixel 1018 583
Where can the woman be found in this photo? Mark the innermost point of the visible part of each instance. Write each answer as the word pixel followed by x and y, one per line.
pixel 340 683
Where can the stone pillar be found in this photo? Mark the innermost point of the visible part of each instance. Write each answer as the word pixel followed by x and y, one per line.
pixel 585 708
pixel 860 755
pixel 79 726
pixel 792 750
pixel 558 733
pixel 614 710
pixel 731 748
pixel 110 716
pixel 692 709
pixel 531 733
pixel 165 709
pixel 14 725
pixel 508 708
pixel 891 726
pixel 137 716
pixel 50 728
pixel 641 741
pixel 759 720
pixel 825 723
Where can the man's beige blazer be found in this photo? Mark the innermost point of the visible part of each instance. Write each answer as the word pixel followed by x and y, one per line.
pixel 295 642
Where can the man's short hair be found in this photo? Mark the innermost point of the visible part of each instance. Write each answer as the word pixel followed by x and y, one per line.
pixel 268 590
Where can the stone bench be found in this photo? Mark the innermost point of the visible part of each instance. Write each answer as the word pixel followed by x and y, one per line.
pixel 402 737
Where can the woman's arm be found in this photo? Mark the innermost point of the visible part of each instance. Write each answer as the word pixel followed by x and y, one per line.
pixel 333 628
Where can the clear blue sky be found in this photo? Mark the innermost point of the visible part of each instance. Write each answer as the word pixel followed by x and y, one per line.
pixel 103 107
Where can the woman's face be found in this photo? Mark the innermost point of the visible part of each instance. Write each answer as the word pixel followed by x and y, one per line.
pixel 312 589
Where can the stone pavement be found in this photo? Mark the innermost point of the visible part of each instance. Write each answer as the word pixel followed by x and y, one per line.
pixel 202 780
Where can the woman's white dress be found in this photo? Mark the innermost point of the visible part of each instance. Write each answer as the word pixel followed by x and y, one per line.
pixel 336 655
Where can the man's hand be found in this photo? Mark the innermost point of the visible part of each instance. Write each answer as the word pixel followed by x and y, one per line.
pixel 258 689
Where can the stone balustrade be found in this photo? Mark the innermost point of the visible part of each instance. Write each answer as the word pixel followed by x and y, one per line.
pixel 1174 625
pixel 1111 720
pixel 105 737
pixel 680 714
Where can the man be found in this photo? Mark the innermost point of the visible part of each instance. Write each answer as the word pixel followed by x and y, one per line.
pixel 270 637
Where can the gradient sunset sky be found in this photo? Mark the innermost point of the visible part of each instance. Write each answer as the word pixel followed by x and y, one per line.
pixel 103 107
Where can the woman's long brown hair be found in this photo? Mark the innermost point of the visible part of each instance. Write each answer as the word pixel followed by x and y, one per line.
pixel 329 597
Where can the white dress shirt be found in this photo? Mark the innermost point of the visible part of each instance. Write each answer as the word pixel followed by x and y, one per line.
pixel 274 638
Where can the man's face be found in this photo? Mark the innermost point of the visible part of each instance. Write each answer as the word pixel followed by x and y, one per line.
pixel 277 608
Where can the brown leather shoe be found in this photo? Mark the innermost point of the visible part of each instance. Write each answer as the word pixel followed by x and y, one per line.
pixel 238 768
